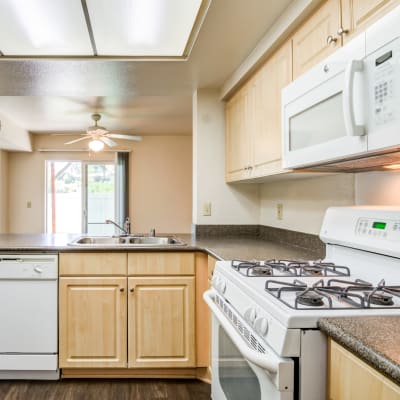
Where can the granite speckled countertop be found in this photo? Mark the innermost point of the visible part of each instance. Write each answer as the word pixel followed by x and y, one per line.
pixel 220 248
pixel 375 340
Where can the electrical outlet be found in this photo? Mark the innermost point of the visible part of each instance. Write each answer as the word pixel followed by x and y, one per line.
pixel 279 211
pixel 207 209
pixel 28 204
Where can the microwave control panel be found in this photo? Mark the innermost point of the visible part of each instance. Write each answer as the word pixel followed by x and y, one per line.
pixel 377 229
pixel 384 83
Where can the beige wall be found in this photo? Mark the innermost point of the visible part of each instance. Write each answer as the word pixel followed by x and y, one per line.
pixel 160 183
pixel 306 200
pixel 230 204
pixel 3 191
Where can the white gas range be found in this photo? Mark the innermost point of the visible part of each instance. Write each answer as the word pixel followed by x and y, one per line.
pixel 266 343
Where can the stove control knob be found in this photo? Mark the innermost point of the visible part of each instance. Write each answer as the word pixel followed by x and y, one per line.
pixel 261 326
pixel 250 315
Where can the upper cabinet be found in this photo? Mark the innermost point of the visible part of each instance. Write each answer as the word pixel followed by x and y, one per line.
pixel 358 14
pixel 253 120
pixel 331 26
pixel 317 38
pixel 253 113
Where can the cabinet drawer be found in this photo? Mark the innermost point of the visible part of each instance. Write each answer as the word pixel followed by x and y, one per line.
pixel 81 264
pixel 161 264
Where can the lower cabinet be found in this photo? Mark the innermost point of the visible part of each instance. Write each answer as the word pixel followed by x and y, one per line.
pixel 352 379
pixel 161 325
pixel 93 321
pixel 127 321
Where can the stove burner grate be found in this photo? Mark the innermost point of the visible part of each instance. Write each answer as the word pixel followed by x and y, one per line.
pixel 357 294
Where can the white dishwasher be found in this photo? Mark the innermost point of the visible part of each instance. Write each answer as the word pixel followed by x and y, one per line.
pixel 28 316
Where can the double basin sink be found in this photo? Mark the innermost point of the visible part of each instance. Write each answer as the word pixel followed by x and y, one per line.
pixel 131 241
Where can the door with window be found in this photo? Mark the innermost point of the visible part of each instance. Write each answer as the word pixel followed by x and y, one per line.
pixel 80 197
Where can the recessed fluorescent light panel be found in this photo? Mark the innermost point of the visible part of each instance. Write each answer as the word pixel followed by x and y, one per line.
pixel 145 28
pixel 43 28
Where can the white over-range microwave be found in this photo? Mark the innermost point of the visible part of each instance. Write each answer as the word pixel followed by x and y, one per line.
pixel 344 114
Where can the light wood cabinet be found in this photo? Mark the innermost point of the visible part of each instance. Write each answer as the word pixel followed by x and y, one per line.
pixel 93 322
pixel 237 138
pixel 161 322
pixel 178 263
pixel 93 264
pixel 253 120
pixel 317 38
pixel 352 379
pixel 102 324
pixel 332 25
pixel 357 15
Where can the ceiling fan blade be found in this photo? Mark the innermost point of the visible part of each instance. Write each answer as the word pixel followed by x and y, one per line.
pixel 66 134
pixel 108 141
pixel 78 140
pixel 125 137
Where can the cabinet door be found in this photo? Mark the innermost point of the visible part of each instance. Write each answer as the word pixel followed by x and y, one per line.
pixel 310 42
pixel 358 14
pixel 352 379
pixel 267 133
pixel 237 136
pixel 93 322
pixel 161 322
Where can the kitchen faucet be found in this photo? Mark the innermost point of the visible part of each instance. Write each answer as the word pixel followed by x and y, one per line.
pixel 126 228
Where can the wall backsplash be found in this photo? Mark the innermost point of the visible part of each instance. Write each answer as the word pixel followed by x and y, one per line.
pixel 305 200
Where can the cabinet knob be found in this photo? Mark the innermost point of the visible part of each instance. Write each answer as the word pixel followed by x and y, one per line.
pixel 330 39
pixel 341 31
pixel 121 289
pixel 132 290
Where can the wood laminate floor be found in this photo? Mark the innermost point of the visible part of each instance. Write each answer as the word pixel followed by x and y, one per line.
pixel 80 389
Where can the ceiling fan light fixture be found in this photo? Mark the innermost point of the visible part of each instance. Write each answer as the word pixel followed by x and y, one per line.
pixel 96 145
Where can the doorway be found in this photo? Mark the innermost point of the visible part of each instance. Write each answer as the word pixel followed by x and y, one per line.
pixel 80 196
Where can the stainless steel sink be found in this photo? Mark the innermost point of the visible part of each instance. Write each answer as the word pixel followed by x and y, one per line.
pixel 129 241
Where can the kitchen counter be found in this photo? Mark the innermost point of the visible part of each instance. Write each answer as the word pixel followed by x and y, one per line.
pixel 220 248
pixel 375 340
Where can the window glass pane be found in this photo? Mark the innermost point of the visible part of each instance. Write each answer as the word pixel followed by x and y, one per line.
pixel 64 197
pixel 100 198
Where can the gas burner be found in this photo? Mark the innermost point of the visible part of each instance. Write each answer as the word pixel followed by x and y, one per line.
pixel 260 270
pixel 312 270
pixel 379 299
pixel 334 294
pixel 310 298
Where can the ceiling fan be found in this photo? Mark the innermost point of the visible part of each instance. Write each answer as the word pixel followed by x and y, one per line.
pixel 100 136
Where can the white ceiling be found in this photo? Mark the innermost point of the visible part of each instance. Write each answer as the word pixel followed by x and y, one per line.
pixel 144 97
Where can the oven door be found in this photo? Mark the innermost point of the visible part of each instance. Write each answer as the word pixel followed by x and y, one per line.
pixel 238 370
pixel 323 110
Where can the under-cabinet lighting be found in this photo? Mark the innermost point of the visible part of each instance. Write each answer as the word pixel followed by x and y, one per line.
pixel 96 145
pixel 393 166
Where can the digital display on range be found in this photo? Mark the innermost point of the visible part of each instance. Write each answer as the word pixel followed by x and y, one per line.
pixel 379 225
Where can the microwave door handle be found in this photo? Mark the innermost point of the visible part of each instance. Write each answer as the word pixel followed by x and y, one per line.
pixel 352 128
pixel 267 361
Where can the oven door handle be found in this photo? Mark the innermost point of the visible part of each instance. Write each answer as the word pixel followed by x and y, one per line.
pixel 268 361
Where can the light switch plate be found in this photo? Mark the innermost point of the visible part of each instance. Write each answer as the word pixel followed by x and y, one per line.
pixel 207 209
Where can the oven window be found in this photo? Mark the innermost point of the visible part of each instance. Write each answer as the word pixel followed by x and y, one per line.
pixel 318 124
pixel 237 379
